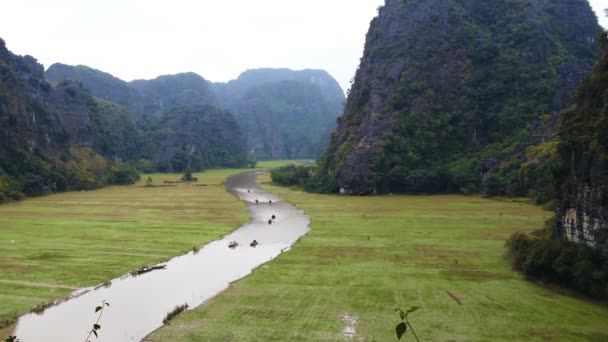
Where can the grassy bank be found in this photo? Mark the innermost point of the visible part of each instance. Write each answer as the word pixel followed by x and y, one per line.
pixel 54 244
pixel 365 256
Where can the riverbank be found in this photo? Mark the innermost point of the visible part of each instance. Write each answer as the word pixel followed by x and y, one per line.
pixel 55 244
pixel 140 302
pixel 366 256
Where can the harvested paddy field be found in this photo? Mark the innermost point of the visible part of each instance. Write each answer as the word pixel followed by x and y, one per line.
pixel 366 256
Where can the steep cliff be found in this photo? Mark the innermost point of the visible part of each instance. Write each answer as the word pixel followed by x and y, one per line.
pixel 582 215
pixel 447 89
pixel 285 114
pixel 45 134
pixel 31 136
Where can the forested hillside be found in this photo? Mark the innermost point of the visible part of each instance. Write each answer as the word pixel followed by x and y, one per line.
pixel 37 154
pixel 165 92
pixel 582 215
pixel 86 128
pixel 453 95
pixel 145 98
pixel 195 138
pixel 572 250
pixel 173 122
pixel 285 114
pixel 101 84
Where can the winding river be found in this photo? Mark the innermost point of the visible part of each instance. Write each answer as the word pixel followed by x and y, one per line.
pixel 140 303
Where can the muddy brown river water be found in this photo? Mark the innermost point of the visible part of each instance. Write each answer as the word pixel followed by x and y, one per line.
pixel 139 303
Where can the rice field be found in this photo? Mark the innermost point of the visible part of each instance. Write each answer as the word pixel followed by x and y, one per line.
pixel 367 256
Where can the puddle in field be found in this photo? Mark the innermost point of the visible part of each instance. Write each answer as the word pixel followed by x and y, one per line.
pixel 139 304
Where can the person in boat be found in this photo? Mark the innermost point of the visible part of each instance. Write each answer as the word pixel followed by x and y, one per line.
pixel 270 221
pixel 233 244
pixel 274 217
pixel 254 243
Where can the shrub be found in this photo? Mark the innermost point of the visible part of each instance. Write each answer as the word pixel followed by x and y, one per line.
pixel 576 266
pixel 291 175
pixel 305 177
pixel 322 185
pixel 173 313
pixel 124 174
pixel 187 177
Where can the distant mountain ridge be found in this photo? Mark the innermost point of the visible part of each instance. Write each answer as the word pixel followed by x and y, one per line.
pixel 169 142
pixel 284 114
pixel 101 84
pixel 330 89
pixel 145 98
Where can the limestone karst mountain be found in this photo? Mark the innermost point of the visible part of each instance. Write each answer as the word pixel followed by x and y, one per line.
pixel 449 90
pixel 285 114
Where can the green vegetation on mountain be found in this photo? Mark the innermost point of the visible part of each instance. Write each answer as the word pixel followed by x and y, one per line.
pixel 101 84
pixel 147 99
pixel 170 123
pixel 284 114
pixel 450 94
pixel 195 138
pixel 165 92
pixel 45 134
pixel 583 148
pixel 573 249
pixel 58 137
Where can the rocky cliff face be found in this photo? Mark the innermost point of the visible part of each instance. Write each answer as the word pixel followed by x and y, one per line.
pixel 447 88
pixel 48 134
pixel 582 215
pixel 285 114
pixel 31 136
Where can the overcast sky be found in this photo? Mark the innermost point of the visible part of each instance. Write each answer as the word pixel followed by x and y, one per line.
pixel 217 39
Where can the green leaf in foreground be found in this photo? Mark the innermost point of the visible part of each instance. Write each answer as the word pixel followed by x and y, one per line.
pixel 401 329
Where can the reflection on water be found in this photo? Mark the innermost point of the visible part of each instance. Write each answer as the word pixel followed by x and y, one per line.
pixel 139 304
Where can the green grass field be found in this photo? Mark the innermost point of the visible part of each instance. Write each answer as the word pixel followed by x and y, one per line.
pixel 54 244
pixel 366 256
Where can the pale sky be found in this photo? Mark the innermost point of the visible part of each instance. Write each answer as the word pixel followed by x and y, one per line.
pixel 218 39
